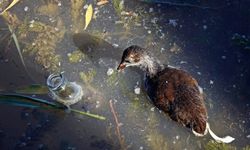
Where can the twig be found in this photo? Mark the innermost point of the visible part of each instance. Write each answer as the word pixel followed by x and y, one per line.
pixel 117 124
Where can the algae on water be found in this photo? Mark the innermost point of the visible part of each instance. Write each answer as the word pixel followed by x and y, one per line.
pixel 50 9
pixel 212 145
pixel 77 18
pixel 76 56
pixel 45 43
pixel 88 77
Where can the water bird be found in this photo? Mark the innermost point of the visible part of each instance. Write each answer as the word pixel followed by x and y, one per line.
pixel 173 91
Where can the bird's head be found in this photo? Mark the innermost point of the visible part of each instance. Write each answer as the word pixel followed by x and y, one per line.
pixel 132 56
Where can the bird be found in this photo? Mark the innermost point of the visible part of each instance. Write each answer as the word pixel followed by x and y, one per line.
pixel 173 91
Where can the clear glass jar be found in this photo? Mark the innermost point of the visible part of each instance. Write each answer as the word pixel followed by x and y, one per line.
pixel 63 91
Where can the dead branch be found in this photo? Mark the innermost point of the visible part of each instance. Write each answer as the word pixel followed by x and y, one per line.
pixel 118 133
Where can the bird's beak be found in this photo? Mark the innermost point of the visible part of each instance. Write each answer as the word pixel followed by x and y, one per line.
pixel 121 66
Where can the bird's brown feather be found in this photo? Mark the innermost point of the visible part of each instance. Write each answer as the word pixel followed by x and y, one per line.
pixel 177 93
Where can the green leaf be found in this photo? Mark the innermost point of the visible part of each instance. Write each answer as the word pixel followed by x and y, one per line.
pixel 31 102
pixel 88 114
pixel 13 3
pixel 17 46
pixel 88 16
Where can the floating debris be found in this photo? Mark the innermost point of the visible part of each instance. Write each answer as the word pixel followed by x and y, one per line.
pixel 173 22
pixel 59 4
pixel 162 49
pixel 119 22
pixel 183 62
pixel 110 71
pixel 97 104
pixel 177 137
pixel 152 109
pixel 223 57
pixel 211 82
pixel 102 2
pixel 88 16
pixel 26 8
pixel 175 49
pixel 204 27
pixel 151 10
pixel 115 45
pixel 137 90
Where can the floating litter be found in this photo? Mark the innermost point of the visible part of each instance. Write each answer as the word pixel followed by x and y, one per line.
pixel 63 91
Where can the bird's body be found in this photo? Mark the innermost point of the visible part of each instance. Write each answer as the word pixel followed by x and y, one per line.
pixel 173 91
pixel 178 94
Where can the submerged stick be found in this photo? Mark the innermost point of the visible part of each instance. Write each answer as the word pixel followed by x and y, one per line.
pixel 117 123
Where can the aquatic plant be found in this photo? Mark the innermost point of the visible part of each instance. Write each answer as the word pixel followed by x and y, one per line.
pixel 87 77
pixel 119 6
pixel 127 18
pixel 112 79
pixel 212 145
pixel 13 22
pixel 246 148
pixel 241 40
pixel 155 139
pixel 32 102
pixel 50 9
pixel 77 21
pixel 76 56
pixel 44 45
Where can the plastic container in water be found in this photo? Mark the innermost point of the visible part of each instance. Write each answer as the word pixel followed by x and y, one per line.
pixel 63 91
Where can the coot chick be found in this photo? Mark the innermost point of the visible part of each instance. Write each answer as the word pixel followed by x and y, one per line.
pixel 173 91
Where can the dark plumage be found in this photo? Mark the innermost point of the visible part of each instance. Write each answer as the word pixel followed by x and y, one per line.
pixel 173 91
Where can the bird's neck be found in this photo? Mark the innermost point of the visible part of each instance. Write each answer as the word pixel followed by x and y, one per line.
pixel 151 66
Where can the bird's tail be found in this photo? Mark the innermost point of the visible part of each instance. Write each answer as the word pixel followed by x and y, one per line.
pixel 227 139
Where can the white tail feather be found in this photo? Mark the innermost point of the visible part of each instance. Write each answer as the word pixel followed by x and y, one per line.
pixel 200 134
pixel 227 139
